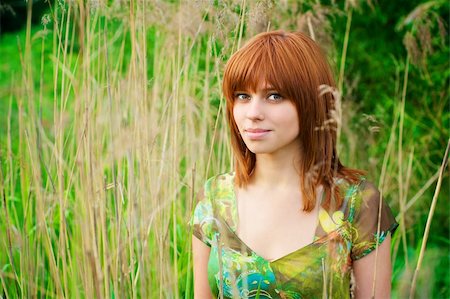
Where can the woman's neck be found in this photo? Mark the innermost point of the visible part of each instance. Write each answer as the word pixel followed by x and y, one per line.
pixel 276 171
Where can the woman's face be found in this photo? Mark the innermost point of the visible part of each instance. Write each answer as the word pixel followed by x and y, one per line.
pixel 267 122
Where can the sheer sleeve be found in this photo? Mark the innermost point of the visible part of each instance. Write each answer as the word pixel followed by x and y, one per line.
pixel 202 219
pixel 365 222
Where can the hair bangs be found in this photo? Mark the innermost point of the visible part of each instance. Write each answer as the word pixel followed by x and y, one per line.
pixel 252 66
pixel 269 61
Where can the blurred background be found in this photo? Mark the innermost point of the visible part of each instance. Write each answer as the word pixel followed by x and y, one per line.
pixel 112 117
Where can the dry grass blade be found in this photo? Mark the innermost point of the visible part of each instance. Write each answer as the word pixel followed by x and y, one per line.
pixel 430 217
pixel 400 160
pixel 419 194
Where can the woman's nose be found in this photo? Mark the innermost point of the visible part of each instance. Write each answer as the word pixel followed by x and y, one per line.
pixel 255 109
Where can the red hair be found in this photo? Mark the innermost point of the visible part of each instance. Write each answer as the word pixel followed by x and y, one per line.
pixel 295 66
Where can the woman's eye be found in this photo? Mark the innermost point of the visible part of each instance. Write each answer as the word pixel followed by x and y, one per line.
pixel 275 97
pixel 241 97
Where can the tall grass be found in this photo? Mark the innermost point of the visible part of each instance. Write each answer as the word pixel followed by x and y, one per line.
pixel 96 196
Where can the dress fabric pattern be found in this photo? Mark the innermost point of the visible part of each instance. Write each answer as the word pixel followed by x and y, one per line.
pixel 321 268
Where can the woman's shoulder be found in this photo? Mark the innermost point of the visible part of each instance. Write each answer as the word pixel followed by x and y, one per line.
pixel 353 192
pixel 371 218
pixel 364 191
pixel 360 184
pixel 210 206
pixel 219 191
pixel 219 182
pixel 222 176
pixel 350 188
pixel 364 199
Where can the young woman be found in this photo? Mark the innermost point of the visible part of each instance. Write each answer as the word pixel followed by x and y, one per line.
pixel 290 221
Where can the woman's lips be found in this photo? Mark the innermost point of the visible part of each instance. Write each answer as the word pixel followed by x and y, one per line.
pixel 256 134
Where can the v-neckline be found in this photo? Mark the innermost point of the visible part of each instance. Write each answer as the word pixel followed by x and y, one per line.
pixel 236 220
pixel 314 242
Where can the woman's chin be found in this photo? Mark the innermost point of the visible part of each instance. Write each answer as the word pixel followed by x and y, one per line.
pixel 259 150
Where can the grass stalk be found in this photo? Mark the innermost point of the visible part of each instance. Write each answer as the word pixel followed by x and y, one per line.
pixel 419 194
pixel 344 51
pixel 400 161
pixel 429 219
pixel 8 235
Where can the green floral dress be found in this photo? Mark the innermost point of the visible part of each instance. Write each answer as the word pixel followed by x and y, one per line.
pixel 318 270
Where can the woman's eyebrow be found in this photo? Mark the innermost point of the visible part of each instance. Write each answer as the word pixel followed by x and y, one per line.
pixel 264 90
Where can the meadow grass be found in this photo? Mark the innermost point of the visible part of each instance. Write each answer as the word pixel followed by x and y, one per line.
pixel 114 120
